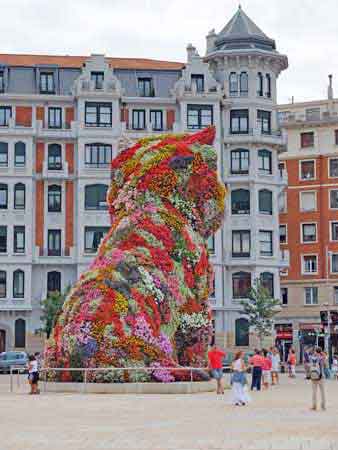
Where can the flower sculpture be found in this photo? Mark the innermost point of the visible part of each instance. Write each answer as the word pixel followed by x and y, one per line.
pixel 144 299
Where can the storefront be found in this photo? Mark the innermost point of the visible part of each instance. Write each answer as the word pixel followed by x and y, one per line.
pixel 284 339
pixel 310 335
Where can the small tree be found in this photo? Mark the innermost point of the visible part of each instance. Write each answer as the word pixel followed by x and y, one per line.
pixel 260 309
pixel 51 308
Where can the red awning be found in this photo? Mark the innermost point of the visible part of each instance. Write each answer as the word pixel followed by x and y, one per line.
pixel 310 326
pixel 284 335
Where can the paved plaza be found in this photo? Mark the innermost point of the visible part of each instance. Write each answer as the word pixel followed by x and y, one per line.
pixel 277 419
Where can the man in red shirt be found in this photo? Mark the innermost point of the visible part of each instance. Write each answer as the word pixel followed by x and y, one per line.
pixel 215 357
pixel 257 362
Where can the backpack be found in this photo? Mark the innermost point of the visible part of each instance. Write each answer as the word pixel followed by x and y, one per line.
pixel 315 370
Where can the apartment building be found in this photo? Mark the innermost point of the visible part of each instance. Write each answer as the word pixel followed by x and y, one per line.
pixel 309 223
pixel 62 120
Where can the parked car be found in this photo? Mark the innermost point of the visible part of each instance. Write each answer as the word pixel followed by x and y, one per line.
pixel 13 359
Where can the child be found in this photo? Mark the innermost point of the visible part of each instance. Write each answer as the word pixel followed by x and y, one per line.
pixel 292 363
pixel 266 370
pixel 33 375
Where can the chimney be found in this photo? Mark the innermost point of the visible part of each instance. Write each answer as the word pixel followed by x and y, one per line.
pixel 330 89
pixel 211 38
pixel 191 51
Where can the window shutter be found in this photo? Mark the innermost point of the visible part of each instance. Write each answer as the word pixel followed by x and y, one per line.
pixel 170 118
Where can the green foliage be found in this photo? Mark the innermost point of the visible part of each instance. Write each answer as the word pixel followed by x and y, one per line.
pixel 51 308
pixel 260 309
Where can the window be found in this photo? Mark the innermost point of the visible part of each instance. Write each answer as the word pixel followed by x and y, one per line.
pixel 265 243
pixel 2 81
pixel 268 85
pixel 334 231
pixel 98 115
pixel 54 157
pixel 240 201
pixel 95 197
pixel 19 196
pixel 336 295
pixel 139 119
pixel 307 139
pixel 3 154
pixel 3 196
pixel 233 84
pixel 18 284
pixel 93 237
pixel 3 239
pixel 241 244
pixel 333 167
pixel 264 121
pixel 309 232
pixel 334 263
pixel 241 333
pixel 308 201
pixel 284 296
pixel 54 117
pixel 265 201
pixel 309 264
pixel 241 284
pixel 282 202
pixel 156 119
pixel 145 87
pixel 312 114
pixel 282 169
pixel 307 170
pixel 244 84
pixel 260 84
pixel 283 237
pixel 311 295
pixel 199 82
pixel 334 199
pixel 265 161
pixel 199 116
pixel 97 78
pixel 54 198
pixel 47 83
pixel 54 242
pixel 19 239
pixel 98 155
pixel 267 282
pixel 3 284
pixel 20 154
pixel 5 115
pixel 336 137
pixel 239 121
pixel 211 244
pixel 53 282
pixel 240 161
pixel 20 333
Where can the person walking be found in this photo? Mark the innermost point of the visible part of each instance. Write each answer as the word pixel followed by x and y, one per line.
pixel 215 357
pixel 266 369
pixel 275 366
pixel 33 375
pixel 335 367
pixel 326 364
pixel 256 361
pixel 317 378
pixel 239 395
pixel 292 363
pixel 307 365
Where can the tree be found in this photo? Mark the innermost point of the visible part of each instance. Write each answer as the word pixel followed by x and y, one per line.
pixel 260 309
pixel 51 308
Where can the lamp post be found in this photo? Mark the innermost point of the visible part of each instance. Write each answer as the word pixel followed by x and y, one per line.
pixel 328 334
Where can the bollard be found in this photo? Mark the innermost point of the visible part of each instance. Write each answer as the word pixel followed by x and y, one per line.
pixel 191 381
pixel 84 382
pixel 11 379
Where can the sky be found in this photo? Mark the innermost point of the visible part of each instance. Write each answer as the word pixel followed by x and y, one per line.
pixel 305 30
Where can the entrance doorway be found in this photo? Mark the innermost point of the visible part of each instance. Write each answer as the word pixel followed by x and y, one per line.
pixel 2 341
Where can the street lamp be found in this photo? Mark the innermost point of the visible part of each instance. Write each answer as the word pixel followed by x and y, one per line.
pixel 328 335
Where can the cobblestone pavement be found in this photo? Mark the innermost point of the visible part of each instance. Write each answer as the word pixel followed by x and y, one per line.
pixel 279 419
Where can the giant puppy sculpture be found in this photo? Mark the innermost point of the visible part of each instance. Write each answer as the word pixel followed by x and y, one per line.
pixel 144 299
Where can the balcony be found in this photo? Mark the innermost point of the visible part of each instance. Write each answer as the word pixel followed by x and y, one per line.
pixel 55 173
pixel 66 131
pixel 255 136
pixel 149 129
pixel 89 87
pixel 300 118
pixel 48 256
pixel 17 129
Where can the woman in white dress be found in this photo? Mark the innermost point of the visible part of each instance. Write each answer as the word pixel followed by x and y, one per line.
pixel 239 394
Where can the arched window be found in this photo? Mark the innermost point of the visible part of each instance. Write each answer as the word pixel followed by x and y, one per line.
pixel 19 284
pixel 54 198
pixel 233 84
pixel 3 284
pixel 95 197
pixel 268 85
pixel 20 333
pixel 20 154
pixel 241 333
pixel 265 161
pixel 244 84
pixel 54 157
pixel 3 154
pixel 53 281
pixel 239 161
pixel 19 196
pixel 240 201
pixel 265 201
pixel 241 284
pixel 267 282
pixel 3 196
pixel 260 84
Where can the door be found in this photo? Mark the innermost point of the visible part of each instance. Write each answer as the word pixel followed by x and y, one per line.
pixel 2 341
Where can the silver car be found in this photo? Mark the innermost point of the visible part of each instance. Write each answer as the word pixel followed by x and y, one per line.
pixel 17 360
